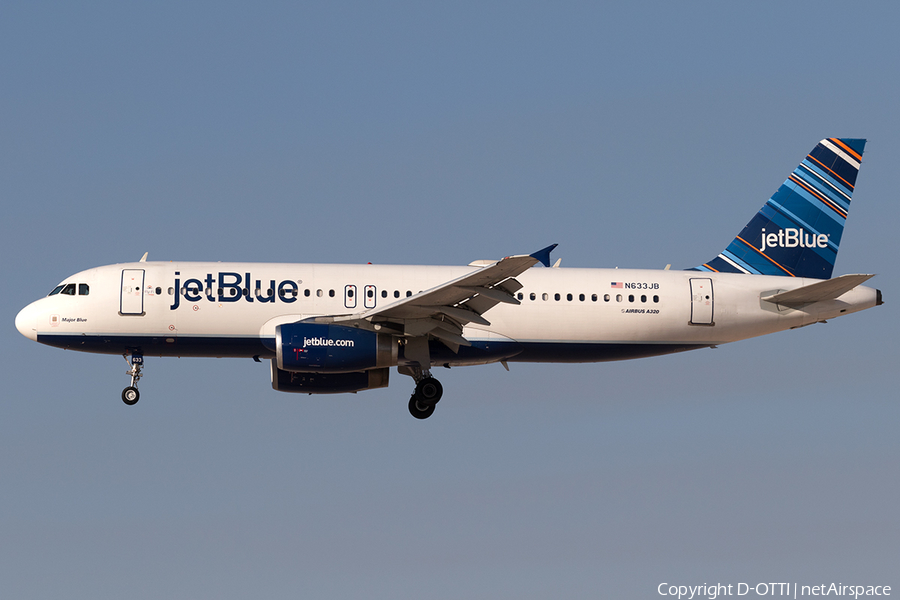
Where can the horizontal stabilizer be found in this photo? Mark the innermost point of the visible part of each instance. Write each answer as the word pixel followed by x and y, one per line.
pixel 818 292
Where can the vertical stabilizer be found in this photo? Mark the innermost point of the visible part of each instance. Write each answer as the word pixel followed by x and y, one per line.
pixel 798 231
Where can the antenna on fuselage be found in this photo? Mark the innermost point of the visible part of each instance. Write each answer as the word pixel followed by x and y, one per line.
pixel 144 257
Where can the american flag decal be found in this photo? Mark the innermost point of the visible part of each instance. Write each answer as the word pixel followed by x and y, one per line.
pixel 616 284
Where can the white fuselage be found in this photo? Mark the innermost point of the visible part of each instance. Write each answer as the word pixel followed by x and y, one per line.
pixel 565 315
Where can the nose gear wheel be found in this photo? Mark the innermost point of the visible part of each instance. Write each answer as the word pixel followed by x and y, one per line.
pixel 131 395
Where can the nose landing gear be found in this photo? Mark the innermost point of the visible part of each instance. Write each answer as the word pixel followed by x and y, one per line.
pixel 131 395
pixel 428 393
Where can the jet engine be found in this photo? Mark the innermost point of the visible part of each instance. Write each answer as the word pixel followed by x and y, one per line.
pixel 325 348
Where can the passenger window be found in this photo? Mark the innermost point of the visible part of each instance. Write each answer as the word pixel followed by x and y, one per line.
pixel 350 293
pixel 594 297
pixel 171 291
pixel 158 291
pixel 306 293
pixel 606 297
pixel 331 293
pixel 319 293
pixel 56 290
pixel 384 293
pixel 396 293
pixel 569 297
pixel 656 298
pixel 408 293
pixel 370 293
pixel 631 297
pixel 643 298
pixel 544 296
pixel 281 292
pixel 532 295
pixel 84 290
pixel 618 297
pixel 69 290
pixel 581 297
pixel 556 297
pixel 520 296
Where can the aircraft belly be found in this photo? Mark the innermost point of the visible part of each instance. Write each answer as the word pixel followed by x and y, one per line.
pixel 154 345
pixel 586 352
pixel 481 352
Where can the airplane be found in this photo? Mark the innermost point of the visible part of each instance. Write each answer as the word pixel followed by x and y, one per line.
pixel 338 328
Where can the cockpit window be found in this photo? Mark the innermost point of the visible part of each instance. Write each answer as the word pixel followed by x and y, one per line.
pixel 56 290
pixel 69 290
pixel 83 289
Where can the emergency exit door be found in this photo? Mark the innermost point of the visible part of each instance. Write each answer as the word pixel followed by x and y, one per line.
pixel 131 300
pixel 350 296
pixel 701 301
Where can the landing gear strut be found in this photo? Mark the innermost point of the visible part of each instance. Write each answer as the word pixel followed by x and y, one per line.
pixel 428 393
pixel 131 395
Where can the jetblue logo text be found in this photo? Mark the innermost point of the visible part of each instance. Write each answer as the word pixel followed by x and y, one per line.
pixel 233 287
pixel 793 238
pixel 318 341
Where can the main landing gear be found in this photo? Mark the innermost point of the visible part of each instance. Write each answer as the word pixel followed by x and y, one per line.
pixel 131 395
pixel 428 393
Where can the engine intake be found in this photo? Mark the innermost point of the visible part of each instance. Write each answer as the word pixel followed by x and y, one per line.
pixel 323 348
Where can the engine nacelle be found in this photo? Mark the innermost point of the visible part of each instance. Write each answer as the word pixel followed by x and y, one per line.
pixel 323 348
pixel 328 383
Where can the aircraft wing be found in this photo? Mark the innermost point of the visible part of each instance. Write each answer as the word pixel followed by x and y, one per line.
pixel 444 310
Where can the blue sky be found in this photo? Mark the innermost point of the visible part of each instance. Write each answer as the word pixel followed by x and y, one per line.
pixel 633 136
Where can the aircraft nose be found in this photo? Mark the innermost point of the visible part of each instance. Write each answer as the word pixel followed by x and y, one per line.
pixel 26 322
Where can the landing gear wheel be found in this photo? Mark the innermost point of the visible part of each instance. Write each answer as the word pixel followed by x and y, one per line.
pixel 429 391
pixel 130 395
pixel 419 409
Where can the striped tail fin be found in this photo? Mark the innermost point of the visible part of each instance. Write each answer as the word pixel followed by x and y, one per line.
pixel 798 231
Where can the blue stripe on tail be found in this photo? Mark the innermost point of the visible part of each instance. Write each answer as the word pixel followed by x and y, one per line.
pixel 798 231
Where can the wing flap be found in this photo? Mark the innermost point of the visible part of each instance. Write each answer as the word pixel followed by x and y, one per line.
pixel 493 294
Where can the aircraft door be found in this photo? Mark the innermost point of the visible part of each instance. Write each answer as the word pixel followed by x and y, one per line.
pixel 369 298
pixel 702 301
pixel 131 298
pixel 350 296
